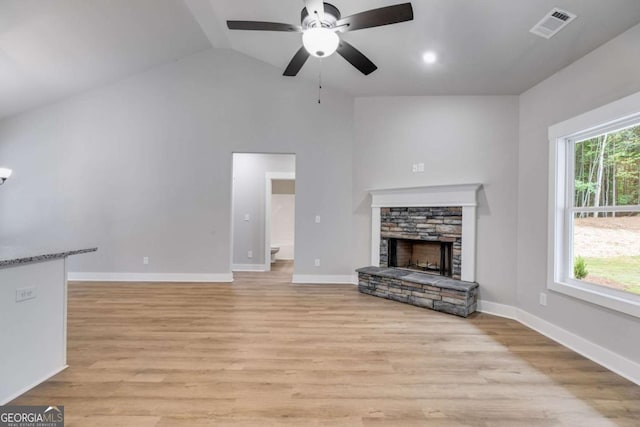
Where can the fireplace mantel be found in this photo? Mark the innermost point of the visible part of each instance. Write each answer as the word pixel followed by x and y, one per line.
pixel 459 195
pixel 431 196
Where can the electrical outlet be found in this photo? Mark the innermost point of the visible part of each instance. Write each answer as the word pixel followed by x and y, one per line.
pixel 317 219
pixel 317 262
pixel 543 298
pixel 249 254
pixel 145 260
pixel 420 167
pixel 414 168
pixel 23 294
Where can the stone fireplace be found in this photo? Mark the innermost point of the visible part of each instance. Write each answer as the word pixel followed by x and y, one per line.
pixel 423 247
pixel 422 238
pixel 436 213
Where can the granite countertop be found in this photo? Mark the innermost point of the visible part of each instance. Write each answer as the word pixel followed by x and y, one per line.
pixel 10 256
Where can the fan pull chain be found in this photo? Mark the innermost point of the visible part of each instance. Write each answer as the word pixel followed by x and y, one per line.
pixel 320 84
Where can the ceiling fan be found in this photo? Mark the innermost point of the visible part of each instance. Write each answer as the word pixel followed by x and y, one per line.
pixel 320 25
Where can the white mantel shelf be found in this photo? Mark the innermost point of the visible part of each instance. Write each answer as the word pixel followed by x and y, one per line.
pixel 464 195
pixel 434 196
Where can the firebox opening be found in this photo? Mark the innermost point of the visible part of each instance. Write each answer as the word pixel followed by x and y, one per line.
pixel 421 255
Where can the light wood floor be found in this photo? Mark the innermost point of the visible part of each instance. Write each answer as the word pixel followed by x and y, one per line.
pixel 265 352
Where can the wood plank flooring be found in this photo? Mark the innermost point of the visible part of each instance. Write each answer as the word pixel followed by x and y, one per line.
pixel 264 352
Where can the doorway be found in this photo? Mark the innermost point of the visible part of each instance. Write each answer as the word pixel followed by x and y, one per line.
pixel 280 211
pixel 263 212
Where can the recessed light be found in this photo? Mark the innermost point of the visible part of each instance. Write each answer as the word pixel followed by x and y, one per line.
pixel 430 57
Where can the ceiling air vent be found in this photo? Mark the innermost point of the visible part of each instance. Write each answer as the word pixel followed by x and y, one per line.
pixel 553 22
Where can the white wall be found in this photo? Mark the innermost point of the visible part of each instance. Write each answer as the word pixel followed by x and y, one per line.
pixel 606 74
pixel 249 175
pixel 460 140
pixel 143 167
pixel 283 208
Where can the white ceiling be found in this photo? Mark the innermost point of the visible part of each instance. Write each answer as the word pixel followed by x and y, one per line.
pixel 484 45
pixel 52 49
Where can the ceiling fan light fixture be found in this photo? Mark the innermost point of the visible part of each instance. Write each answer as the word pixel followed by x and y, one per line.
pixel 5 174
pixel 320 23
pixel 320 42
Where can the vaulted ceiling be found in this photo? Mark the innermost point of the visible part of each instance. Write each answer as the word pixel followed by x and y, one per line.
pixel 52 49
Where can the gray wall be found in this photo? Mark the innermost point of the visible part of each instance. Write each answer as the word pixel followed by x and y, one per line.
pixel 249 172
pixel 608 73
pixel 460 140
pixel 143 167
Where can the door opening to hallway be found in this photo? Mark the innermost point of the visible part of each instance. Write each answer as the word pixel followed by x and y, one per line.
pixel 263 212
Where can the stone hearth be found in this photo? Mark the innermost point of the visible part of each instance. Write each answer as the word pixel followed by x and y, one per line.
pixel 420 289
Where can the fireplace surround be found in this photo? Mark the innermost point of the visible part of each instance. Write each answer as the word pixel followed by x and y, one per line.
pixel 424 234
pixel 423 247
pixel 453 214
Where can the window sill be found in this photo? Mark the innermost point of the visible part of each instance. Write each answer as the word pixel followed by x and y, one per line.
pixel 610 298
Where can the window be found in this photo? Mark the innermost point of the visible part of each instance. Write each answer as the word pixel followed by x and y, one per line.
pixel 595 208
pixel 605 212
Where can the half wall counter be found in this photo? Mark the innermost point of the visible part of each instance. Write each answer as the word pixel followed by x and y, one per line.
pixel 33 317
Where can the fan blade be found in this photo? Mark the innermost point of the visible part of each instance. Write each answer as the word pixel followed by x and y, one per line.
pixel 377 17
pixel 315 6
pixel 356 58
pixel 297 62
pixel 262 26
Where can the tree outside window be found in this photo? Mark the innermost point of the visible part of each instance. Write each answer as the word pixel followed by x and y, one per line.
pixel 604 215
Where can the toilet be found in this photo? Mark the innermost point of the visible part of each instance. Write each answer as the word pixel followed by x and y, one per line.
pixel 274 251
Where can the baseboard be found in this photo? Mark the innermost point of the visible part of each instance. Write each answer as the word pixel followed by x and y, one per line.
pixel 7 399
pixel 150 277
pixel 612 361
pixel 323 278
pixel 496 309
pixel 248 267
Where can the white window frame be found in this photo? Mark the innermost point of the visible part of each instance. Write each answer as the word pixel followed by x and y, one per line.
pixel 617 115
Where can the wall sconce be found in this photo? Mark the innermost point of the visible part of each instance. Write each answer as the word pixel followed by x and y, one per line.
pixel 4 175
